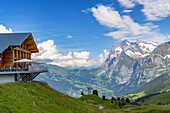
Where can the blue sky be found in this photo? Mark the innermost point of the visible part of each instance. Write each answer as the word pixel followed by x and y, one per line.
pixel 84 28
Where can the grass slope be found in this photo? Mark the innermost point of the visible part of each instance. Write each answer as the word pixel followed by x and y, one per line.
pixel 108 107
pixel 158 85
pixel 97 101
pixel 38 97
pixel 160 98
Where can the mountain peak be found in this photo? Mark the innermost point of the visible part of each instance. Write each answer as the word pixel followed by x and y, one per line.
pixel 136 49
pixel 125 41
pixel 135 63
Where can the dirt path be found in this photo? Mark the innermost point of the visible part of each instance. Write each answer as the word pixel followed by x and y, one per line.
pixel 128 108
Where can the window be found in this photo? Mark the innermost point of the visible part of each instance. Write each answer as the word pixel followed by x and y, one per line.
pixel 17 54
pixel 23 54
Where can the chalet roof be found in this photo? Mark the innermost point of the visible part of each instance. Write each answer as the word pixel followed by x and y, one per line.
pixel 9 39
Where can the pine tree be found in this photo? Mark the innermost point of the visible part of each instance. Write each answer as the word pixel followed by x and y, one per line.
pixel 95 92
pixel 82 93
pixel 113 99
pixel 127 100
pixel 103 97
pixel 122 99
pixel 120 104
pixel 123 103
pixel 118 98
pixel 115 102
pixel 159 103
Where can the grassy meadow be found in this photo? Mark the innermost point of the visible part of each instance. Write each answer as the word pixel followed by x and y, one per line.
pixel 38 97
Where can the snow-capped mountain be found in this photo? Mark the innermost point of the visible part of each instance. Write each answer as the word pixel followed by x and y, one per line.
pixel 132 64
pixel 135 49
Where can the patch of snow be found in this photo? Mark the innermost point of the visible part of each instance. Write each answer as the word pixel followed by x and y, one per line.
pixel 145 55
pixel 118 49
pixel 112 56
pixel 133 54
pixel 167 56
pixel 148 80
pixel 154 43
pixel 127 43
pixel 144 47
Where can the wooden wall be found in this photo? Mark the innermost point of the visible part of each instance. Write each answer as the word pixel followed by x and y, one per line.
pixel 7 58
pixel 0 60
pixel 13 54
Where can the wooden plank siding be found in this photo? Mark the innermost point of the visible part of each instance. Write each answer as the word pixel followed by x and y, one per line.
pixel 7 58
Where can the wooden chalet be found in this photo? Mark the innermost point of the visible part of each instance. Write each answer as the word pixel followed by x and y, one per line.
pixel 16 47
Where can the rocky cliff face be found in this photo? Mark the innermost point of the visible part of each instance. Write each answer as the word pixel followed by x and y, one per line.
pixel 131 64
pixel 153 65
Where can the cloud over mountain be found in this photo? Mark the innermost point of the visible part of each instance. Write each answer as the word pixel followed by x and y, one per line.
pixel 124 27
pixel 49 52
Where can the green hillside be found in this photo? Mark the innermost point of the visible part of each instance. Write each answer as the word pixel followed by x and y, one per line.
pixel 158 85
pixel 96 101
pixel 159 98
pixel 108 107
pixel 38 97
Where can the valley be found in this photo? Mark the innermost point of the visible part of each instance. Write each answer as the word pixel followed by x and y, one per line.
pixel 120 74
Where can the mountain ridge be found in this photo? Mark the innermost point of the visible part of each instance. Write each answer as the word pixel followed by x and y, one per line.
pixel 118 76
pixel 128 71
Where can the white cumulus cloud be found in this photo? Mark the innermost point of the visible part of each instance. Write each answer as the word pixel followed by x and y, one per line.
pixel 127 11
pixel 169 36
pixel 103 56
pixel 3 29
pixel 107 16
pixel 127 3
pixel 69 36
pixel 126 27
pixel 49 52
pixel 82 55
pixel 152 9
pixel 155 9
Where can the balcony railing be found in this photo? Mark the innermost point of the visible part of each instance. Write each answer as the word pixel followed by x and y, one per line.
pixel 30 68
pixel 38 67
